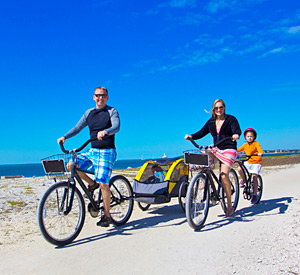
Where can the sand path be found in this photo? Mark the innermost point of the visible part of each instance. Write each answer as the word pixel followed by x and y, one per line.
pixel 261 239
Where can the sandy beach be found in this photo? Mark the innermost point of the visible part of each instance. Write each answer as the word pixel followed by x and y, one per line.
pixel 260 239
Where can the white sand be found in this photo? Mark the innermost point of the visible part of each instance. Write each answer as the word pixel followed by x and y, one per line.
pixel 261 239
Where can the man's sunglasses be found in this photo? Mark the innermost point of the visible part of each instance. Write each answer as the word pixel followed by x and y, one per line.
pixel 100 95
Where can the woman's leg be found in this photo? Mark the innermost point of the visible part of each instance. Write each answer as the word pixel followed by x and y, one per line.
pixel 226 184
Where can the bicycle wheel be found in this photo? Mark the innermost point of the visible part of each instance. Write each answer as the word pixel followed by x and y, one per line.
pixel 143 206
pixel 121 204
pixel 59 224
pixel 235 191
pixel 259 188
pixel 235 188
pixel 197 201
pixel 182 195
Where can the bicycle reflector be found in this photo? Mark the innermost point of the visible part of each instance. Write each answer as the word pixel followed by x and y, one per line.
pixel 196 159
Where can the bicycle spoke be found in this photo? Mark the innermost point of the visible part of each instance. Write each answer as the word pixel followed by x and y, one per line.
pixel 60 225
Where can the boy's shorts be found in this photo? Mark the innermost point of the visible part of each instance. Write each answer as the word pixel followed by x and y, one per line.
pixel 98 161
pixel 253 168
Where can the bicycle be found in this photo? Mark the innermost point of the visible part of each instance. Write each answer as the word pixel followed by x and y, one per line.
pixel 202 189
pixel 61 211
pixel 248 187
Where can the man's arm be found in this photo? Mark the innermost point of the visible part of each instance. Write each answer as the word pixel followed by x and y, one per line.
pixel 115 122
pixel 82 123
pixel 78 127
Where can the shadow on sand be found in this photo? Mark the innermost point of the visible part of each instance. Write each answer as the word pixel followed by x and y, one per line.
pixel 156 217
pixel 161 216
pixel 264 208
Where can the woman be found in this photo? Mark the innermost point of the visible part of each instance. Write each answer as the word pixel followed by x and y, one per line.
pixel 221 125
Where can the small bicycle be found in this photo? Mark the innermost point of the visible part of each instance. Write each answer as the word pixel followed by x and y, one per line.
pixel 202 189
pixel 61 211
pixel 248 188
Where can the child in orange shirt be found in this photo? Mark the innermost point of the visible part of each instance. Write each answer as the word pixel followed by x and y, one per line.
pixel 253 165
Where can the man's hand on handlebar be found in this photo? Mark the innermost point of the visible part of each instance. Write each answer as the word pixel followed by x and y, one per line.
pixel 61 140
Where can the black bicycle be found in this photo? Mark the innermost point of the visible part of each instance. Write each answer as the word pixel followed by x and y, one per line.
pixel 202 190
pixel 61 211
pixel 249 183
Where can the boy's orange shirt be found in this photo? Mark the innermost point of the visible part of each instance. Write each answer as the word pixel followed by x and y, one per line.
pixel 252 149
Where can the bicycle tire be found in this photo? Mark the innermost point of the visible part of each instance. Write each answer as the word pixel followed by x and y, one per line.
pixel 197 201
pixel 235 191
pixel 259 188
pixel 182 195
pixel 143 206
pixel 56 225
pixel 121 205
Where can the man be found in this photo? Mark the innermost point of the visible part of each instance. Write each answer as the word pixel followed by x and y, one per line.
pixel 103 122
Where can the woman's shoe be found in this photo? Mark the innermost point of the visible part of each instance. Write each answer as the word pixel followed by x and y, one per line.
pixel 254 199
pixel 242 183
pixel 230 212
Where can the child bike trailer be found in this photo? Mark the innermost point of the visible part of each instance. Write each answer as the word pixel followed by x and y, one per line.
pixel 157 183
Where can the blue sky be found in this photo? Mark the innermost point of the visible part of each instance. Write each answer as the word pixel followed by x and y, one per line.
pixel 163 63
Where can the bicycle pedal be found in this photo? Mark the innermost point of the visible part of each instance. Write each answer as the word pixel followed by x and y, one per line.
pixel 213 202
pixel 94 213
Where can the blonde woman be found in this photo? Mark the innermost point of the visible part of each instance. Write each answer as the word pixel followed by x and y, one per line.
pixel 221 126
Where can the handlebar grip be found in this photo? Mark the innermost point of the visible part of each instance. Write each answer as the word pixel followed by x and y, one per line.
pixel 194 143
pixel 76 150
pixel 63 148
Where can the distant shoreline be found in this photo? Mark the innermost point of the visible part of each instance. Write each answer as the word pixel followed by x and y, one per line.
pixel 36 170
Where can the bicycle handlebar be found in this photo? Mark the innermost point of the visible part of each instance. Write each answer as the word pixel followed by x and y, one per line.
pixel 210 146
pixel 247 158
pixel 194 143
pixel 76 150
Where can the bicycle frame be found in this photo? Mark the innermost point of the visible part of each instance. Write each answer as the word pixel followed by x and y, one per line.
pixel 210 180
pixel 209 171
pixel 75 175
pixel 246 173
pixel 248 176
pixel 63 203
pixel 95 204
pixel 217 193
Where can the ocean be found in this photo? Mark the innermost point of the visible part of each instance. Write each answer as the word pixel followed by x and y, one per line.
pixel 37 170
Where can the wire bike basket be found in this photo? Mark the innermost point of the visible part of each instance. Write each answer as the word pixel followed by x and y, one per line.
pixel 55 165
